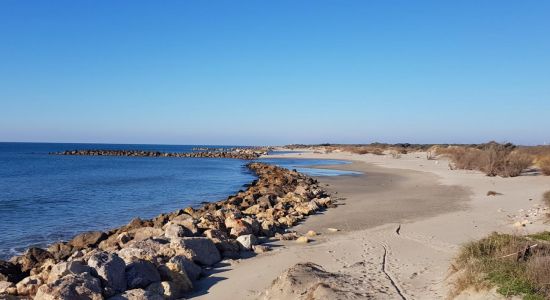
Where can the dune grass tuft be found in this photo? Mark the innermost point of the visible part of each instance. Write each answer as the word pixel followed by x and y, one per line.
pixel 500 260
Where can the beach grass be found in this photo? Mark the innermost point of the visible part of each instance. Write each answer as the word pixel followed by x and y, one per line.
pixel 499 260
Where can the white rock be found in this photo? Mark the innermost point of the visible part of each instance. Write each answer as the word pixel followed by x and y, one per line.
pixel 247 241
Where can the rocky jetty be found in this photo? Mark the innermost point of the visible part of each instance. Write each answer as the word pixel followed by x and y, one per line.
pixel 237 153
pixel 162 257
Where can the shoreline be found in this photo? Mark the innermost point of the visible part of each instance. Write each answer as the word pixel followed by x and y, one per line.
pixel 392 233
pixel 231 228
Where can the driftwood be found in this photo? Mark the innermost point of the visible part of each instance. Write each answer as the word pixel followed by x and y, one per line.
pixel 522 254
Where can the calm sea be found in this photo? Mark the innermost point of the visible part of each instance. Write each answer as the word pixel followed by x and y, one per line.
pixel 46 198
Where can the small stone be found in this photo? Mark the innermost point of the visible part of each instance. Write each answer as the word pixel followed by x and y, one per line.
pixel 330 229
pixel 302 240
pixel 260 249
pixel 311 233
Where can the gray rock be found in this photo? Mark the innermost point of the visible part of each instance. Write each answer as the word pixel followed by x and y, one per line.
pixel 172 230
pixel 149 249
pixel 141 273
pixel 65 268
pixel 193 271
pixel 247 241
pixel 199 249
pixel 186 221
pixel 110 269
pixel 137 294
pixel 75 287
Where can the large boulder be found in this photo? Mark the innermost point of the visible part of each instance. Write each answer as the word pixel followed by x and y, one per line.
pixel 180 282
pixel 192 270
pixel 32 258
pixel 144 233
pixel 238 227
pixel 172 230
pixel 167 289
pixel 186 221
pixel 29 285
pixel 141 273
pixel 149 249
pixel 87 239
pixel 10 272
pixel 199 249
pixel 307 208
pixel 137 294
pixel 60 250
pixel 65 268
pixel 7 287
pixel 73 286
pixel 110 269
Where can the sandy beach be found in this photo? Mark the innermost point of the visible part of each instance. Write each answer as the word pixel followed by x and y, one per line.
pixel 400 225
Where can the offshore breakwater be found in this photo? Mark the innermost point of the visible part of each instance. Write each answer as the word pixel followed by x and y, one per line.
pixel 235 153
pixel 161 257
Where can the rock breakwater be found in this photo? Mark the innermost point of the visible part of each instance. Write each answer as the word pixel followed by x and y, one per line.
pixel 162 257
pixel 237 153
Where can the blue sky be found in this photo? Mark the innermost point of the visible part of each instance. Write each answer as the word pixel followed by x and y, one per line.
pixel 275 72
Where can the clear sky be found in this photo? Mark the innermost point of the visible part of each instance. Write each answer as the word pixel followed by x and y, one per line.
pixel 275 72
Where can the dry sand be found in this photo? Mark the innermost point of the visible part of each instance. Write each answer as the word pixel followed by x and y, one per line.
pixel 436 210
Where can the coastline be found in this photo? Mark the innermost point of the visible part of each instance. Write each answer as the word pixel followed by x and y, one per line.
pixel 400 224
pixel 418 256
pixel 174 248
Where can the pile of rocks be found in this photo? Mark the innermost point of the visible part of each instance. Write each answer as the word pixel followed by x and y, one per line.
pixel 162 257
pixel 237 153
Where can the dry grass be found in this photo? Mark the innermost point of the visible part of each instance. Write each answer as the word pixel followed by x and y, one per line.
pixel 395 154
pixel 487 262
pixel 492 159
pixel 544 165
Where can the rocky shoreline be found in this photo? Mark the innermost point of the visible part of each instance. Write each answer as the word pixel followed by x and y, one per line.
pixel 236 153
pixel 162 257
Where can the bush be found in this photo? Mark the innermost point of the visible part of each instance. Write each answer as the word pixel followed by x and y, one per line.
pixel 544 165
pixel 515 163
pixel 492 159
pixel 495 261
